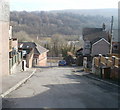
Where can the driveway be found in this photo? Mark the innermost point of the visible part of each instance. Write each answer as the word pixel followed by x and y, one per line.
pixel 59 87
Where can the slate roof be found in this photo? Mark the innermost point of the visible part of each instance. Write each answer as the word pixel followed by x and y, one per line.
pixel 101 40
pixel 37 48
pixel 26 45
pixel 95 40
pixel 92 34
pixel 87 31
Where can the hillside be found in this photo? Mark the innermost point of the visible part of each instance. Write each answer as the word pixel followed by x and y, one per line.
pixel 65 22
pixel 92 12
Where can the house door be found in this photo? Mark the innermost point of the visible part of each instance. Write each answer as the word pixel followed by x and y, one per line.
pixel 35 62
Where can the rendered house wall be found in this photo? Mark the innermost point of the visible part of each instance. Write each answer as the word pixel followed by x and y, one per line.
pixel 101 47
pixel 43 59
pixel 4 37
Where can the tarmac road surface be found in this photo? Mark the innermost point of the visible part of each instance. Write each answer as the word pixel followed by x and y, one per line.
pixel 59 87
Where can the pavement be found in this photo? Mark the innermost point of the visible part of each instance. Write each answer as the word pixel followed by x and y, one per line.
pixel 80 72
pixel 16 79
pixel 59 87
pixel 13 81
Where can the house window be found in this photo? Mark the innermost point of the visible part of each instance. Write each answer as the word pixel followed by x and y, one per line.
pixel 115 47
pixel 87 46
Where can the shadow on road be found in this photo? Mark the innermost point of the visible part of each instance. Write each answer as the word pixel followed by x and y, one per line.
pixel 81 94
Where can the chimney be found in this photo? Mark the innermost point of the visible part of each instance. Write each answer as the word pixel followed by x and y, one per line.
pixel 104 26
pixel 10 32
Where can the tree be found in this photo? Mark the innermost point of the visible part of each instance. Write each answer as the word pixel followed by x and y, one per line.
pixel 57 42
pixel 22 36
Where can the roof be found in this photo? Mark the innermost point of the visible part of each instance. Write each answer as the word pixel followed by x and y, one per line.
pixel 87 31
pixel 95 40
pixel 79 50
pixel 25 45
pixel 37 48
pixel 92 36
pixel 101 40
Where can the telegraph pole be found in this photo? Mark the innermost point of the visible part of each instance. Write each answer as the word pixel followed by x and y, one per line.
pixel 111 31
pixel 111 25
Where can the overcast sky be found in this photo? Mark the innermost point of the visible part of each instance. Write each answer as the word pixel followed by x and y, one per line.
pixel 46 5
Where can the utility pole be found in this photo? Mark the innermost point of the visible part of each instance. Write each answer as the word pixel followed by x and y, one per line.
pixel 111 35
pixel 111 25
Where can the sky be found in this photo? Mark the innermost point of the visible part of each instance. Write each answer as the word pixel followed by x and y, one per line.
pixel 47 5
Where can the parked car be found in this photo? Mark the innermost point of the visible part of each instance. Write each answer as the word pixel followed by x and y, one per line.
pixel 62 63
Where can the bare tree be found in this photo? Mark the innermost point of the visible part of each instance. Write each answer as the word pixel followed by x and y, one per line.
pixel 22 36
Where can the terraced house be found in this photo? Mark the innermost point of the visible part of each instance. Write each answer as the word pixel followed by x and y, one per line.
pixel 95 38
pixel 15 56
pixel 96 41
pixel 39 57
pixel 9 55
pixel 4 38
pixel 109 66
